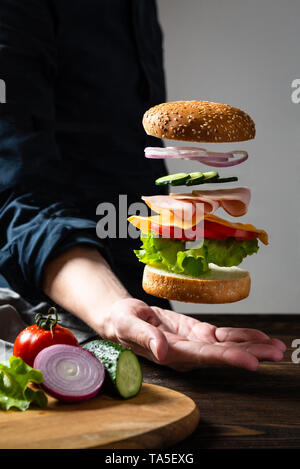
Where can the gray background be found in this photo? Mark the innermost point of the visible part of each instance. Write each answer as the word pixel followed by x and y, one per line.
pixel 246 53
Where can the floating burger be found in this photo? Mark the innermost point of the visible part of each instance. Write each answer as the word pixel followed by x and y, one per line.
pixel 191 254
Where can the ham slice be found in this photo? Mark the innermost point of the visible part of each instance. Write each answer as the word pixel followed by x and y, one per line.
pixel 184 205
pixel 180 213
pixel 210 205
pixel 164 203
pixel 233 201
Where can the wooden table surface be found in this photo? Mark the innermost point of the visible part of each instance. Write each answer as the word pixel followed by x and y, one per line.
pixel 238 408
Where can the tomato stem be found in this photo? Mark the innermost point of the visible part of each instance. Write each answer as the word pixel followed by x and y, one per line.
pixel 48 322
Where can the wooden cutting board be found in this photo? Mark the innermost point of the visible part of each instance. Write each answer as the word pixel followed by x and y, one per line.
pixel 156 418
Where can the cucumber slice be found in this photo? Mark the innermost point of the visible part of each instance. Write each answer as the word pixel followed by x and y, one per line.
pixel 191 179
pixel 210 176
pixel 230 179
pixel 121 365
pixel 173 179
pixel 195 178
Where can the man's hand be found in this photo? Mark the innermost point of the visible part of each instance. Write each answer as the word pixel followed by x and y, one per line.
pixel 81 281
pixel 184 343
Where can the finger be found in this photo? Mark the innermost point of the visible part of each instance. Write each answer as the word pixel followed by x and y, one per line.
pixel 279 344
pixel 265 351
pixel 141 336
pixel 146 313
pixel 236 334
pixel 169 320
pixel 184 326
pixel 262 351
pixel 213 355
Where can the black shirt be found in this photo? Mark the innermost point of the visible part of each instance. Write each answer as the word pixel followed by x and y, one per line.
pixel 79 75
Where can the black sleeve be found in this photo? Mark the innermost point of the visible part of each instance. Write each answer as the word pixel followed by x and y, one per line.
pixel 39 217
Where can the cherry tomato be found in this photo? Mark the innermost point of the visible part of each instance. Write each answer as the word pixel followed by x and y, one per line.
pixel 44 333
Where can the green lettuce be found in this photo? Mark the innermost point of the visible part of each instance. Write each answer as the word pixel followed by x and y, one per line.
pixel 171 255
pixel 15 375
pixel 229 252
pixel 192 262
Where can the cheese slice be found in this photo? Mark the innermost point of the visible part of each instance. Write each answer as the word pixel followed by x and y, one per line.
pixel 164 219
pixel 144 224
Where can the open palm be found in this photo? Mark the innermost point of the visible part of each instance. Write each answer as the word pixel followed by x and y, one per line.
pixel 185 343
pixel 194 344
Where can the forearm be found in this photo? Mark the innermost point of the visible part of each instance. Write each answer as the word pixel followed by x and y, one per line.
pixel 81 281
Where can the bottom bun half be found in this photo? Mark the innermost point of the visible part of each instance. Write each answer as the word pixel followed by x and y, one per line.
pixel 220 285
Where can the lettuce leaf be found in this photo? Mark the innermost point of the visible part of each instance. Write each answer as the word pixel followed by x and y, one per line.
pixel 15 375
pixel 192 262
pixel 229 252
pixel 171 255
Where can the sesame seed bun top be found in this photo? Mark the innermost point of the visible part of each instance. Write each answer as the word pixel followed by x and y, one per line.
pixel 198 121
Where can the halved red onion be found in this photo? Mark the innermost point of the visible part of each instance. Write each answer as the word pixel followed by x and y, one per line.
pixel 71 373
pixel 209 158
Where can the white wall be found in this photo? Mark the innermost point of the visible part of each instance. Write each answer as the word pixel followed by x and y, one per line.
pixel 246 53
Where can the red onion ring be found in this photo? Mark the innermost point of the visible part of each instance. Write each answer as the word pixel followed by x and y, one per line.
pixel 217 164
pixel 71 373
pixel 209 158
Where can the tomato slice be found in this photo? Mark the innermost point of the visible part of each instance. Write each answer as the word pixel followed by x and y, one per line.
pixel 189 234
pixel 228 231
pixel 212 230
pixel 208 233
